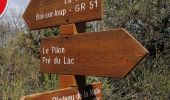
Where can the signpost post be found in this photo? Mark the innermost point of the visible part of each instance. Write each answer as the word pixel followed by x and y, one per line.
pixel 75 54
pixel 71 80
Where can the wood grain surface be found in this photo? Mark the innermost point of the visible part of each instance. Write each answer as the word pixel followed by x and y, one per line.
pixel 72 80
pixel 89 92
pixel 108 53
pixel 49 13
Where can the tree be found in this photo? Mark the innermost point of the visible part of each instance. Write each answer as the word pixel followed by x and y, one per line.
pixel 149 22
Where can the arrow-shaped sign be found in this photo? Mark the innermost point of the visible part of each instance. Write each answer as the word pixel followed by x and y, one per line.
pixel 48 13
pixel 89 92
pixel 109 53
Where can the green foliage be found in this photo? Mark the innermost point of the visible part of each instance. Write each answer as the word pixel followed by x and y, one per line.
pixel 149 22
pixel 19 68
pixel 16 69
pixel 50 82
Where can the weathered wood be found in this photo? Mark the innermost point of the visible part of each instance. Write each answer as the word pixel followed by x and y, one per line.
pixel 72 80
pixel 48 13
pixel 109 53
pixel 66 81
pixel 68 29
pixel 90 92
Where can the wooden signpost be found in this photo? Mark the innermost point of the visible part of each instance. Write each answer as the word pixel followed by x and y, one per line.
pixel 89 92
pixel 48 13
pixel 111 53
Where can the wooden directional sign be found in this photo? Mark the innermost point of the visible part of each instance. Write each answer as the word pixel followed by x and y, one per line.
pixel 49 13
pixel 109 53
pixel 90 92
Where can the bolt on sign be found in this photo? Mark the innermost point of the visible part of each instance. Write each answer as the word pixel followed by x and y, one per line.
pixel 48 13
pixel 89 92
pixel 108 53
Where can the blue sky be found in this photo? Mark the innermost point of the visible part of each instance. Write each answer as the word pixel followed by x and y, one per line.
pixel 15 7
pixel 18 4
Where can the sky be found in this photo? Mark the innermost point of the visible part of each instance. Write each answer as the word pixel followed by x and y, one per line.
pixel 15 6
pixel 18 4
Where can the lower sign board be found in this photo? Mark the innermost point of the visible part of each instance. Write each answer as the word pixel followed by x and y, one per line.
pixel 108 53
pixel 89 92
